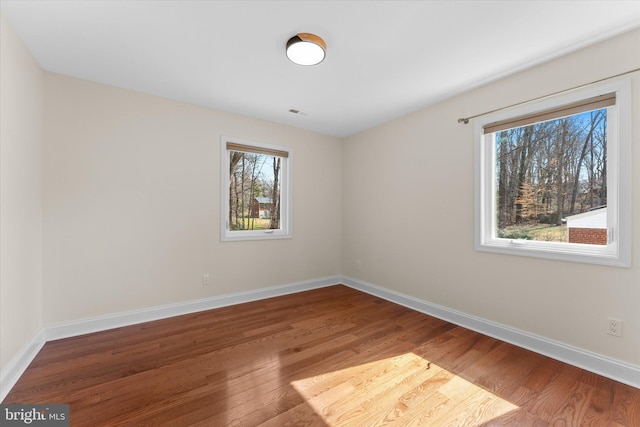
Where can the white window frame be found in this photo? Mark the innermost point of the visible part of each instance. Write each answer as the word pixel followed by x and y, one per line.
pixel 286 230
pixel 619 181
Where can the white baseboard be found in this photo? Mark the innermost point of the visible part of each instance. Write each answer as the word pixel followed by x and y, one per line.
pixel 20 362
pixel 602 365
pixel 117 320
pixel 607 367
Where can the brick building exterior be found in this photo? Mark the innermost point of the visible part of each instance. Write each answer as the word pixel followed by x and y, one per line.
pixel 590 236
pixel 589 227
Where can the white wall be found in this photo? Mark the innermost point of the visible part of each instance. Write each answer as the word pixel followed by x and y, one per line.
pixel 408 217
pixel 132 203
pixel 21 139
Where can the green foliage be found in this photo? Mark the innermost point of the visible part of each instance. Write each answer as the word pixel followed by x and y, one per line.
pixel 514 233
pixel 247 223
pixel 539 232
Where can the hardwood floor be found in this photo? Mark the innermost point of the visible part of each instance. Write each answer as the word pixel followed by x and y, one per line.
pixel 327 357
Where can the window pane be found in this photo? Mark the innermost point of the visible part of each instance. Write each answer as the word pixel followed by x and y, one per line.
pixel 551 180
pixel 254 191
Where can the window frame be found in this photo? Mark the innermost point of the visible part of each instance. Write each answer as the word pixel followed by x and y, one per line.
pixel 619 182
pixel 286 212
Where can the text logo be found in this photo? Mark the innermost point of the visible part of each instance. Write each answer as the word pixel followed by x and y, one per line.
pixel 34 415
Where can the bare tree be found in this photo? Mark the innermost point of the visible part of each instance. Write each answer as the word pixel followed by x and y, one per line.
pixel 596 118
pixel 543 170
pixel 561 142
pixel 275 195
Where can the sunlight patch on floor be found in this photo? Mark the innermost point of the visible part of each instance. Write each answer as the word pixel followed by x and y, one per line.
pixel 404 390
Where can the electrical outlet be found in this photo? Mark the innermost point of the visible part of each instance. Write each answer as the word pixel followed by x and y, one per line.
pixel 615 327
pixel 358 265
pixel 206 279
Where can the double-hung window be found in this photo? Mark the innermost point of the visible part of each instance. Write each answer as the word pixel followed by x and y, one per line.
pixel 256 190
pixel 553 177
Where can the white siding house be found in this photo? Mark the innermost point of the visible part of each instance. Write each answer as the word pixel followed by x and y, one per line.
pixel 596 218
pixel 588 227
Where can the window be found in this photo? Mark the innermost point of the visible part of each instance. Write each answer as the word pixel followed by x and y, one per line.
pixel 256 190
pixel 553 177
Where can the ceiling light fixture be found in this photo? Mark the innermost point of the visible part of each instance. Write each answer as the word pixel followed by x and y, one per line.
pixel 306 49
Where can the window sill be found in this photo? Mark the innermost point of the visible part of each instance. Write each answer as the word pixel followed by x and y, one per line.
pixel 240 236
pixel 589 254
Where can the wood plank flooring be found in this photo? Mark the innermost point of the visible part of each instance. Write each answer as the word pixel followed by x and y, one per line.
pixel 328 357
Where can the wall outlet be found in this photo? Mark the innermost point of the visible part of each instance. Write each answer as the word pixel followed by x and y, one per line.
pixel 615 327
pixel 206 279
pixel 358 265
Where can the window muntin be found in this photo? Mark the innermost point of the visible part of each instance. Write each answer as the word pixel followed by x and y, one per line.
pixel 256 191
pixel 509 201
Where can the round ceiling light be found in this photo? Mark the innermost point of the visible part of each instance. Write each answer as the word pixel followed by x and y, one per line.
pixel 306 49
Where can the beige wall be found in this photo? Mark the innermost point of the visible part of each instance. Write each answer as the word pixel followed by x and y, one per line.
pixel 408 216
pixel 21 139
pixel 132 203
pixel 131 208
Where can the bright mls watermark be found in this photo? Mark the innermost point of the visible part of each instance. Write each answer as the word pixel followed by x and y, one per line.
pixel 34 415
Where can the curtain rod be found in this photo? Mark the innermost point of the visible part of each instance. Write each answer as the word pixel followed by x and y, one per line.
pixel 465 120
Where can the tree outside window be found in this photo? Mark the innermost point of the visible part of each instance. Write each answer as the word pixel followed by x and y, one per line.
pixel 256 192
pixel 553 177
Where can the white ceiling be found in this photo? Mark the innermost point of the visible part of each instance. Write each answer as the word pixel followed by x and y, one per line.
pixel 384 58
